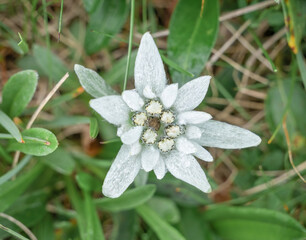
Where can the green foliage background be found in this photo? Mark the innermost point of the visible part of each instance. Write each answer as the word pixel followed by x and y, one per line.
pixel 259 76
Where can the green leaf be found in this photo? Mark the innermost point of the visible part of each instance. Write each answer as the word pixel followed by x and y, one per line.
pixel 11 190
pixel 192 36
pixel 45 229
pixel 87 217
pixel 94 227
pixel 18 92
pixel 236 223
pixel 165 208
pixel 302 66
pixel 125 224
pixel 192 225
pixel 10 231
pixel 10 126
pixel 87 182
pixel 51 66
pixel 92 82
pixel 295 19
pixel 77 204
pixel 90 5
pixel 175 66
pixel 117 72
pixel 61 161
pixel 163 230
pixel 108 18
pixel 128 200
pixel 93 128
pixel 4 178
pixel 39 142
pixel 28 209
pixel 23 45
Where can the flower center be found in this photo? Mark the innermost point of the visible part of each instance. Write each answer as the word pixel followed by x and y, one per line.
pixel 154 123
pixel 159 126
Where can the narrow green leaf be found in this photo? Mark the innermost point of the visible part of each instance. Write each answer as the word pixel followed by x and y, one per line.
pixel 87 218
pixel 93 227
pixel 23 45
pixel 175 66
pixel 128 200
pixel 108 17
pixel 125 225
pixel 193 32
pixel 4 178
pixel 60 160
pixel 77 204
pixel 295 20
pixel 163 230
pixel 40 142
pixel 13 233
pixel 10 126
pixel 30 209
pixel 302 66
pixel 93 128
pixel 11 190
pixel 92 82
pixel 264 51
pixel 87 182
pixel 60 20
pixel 165 208
pixel 18 92
pixel 117 72
pixel 236 223
pixel 132 15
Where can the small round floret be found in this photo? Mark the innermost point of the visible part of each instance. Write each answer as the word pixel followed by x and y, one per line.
pixel 167 117
pixel 140 119
pixel 149 136
pixel 173 131
pixel 154 108
pixel 166 144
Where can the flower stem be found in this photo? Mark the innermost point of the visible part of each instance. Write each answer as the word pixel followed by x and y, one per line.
pixel 130 43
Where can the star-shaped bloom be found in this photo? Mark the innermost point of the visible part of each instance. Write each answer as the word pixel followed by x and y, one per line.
pixel 160 129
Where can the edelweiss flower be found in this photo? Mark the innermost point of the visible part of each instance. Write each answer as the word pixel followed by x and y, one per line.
pixel 160 130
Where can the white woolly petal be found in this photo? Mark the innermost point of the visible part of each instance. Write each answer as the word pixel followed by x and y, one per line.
pixel 160 168
pixel 169 95
pixel 135 148
pixel 132 135
pixel 202 153
pixel 193 117
pixel 112 108
pixel 185 146
pixel 121 174
pixel 123 129
pixel 223 135
pixel 191 94
pixel 148 92
pixel 132 99
pixel 149 158
pixel 193 132
pixel 186 168
pixel 149 68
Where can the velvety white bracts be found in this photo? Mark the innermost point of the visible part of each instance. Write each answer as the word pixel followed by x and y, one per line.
pixel 159 128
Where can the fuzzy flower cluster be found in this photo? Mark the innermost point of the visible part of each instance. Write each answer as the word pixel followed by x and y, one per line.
pixel 160 129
